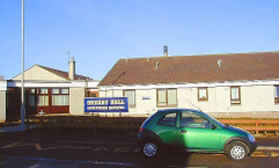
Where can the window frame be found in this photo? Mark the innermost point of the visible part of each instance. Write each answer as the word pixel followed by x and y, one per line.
pixel 276 97
pixel 202 99
pixel 55 93
pixel 45 95
pixel 167 99
pixel 60 94
pixel 40 91
pixel 135 102
pixel 32 94
pixel 235 101
pixel 60 91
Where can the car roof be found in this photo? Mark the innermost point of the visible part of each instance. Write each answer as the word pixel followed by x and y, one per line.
pixel 178 110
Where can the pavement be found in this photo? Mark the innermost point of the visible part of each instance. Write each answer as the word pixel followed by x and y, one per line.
pixel 16 128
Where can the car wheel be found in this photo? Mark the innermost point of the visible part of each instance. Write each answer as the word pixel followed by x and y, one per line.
pixel 237 151
pixel 150 149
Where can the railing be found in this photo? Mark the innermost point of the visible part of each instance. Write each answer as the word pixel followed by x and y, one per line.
pixel 132 123
pixel 254 125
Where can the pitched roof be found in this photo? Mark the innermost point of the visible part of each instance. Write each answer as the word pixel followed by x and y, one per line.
pixel 64 74
pixel 193 69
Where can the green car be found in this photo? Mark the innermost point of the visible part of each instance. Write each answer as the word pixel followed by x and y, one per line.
pixel 194 131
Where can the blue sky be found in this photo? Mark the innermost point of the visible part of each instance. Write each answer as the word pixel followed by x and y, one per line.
pixel 99 32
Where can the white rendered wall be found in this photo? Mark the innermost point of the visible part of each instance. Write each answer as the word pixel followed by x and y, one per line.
pixel 3 88
pixel 77 96
pixel 253 99
pixel 2 105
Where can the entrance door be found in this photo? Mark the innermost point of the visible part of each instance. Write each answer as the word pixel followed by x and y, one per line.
pixel 197 133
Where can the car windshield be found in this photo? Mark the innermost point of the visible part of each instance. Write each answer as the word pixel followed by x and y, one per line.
pixel 214 119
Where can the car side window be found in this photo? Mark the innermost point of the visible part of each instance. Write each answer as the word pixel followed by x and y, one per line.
pixel 192 120
pixel 168 120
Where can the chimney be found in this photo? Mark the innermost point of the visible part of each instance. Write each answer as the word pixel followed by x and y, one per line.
pixel 72 68
pixel 165 48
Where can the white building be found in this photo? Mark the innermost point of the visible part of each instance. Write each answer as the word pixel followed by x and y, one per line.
pixel 3 89
pixel 222 83
pixel 48 90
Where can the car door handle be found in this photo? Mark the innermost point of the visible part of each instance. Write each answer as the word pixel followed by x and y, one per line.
pixel 182 131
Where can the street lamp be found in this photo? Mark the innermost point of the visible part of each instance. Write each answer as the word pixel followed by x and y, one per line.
pixel 22 109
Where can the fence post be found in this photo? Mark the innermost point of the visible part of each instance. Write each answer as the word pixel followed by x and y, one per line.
pixel 257 127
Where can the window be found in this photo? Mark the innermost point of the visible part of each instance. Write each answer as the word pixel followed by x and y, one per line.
pixel 166 97
pixel 192 120
pixel 64 91
pixel 60 97
pixel 235 95
pixel 44 91
pixel 276 94
pixel 60 100
pixel 168 120
pixel 131 94
pixel 55 91
pixel 91 93
pixel 43 101
pixel 32 91
pixel 43 97
pixel 202 94
pixel 32 97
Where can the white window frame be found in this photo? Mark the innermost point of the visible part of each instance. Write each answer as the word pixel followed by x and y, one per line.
pixel 134 98
pixel 206 94
pixel 166 98
pixel 235 101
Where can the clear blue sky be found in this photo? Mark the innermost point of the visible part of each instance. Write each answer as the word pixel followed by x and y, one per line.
pixel 99 32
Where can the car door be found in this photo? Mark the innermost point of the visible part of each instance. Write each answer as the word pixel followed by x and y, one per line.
pixel 195 132
pixel 166 128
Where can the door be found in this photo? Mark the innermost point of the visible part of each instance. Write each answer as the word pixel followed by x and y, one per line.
pixel 197 133
pixel 166 128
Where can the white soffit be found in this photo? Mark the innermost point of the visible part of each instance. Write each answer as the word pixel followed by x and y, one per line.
pixel 50 84
pixel 93 84
pixel 192 85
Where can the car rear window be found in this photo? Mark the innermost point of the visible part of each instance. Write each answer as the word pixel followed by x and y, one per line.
pixel 168 119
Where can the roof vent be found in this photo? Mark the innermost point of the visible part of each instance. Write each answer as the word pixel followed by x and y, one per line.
pixel 220 63
pixel 157 65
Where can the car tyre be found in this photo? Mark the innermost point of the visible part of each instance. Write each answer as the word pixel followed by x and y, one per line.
pixel 237 151
pixel 150 149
